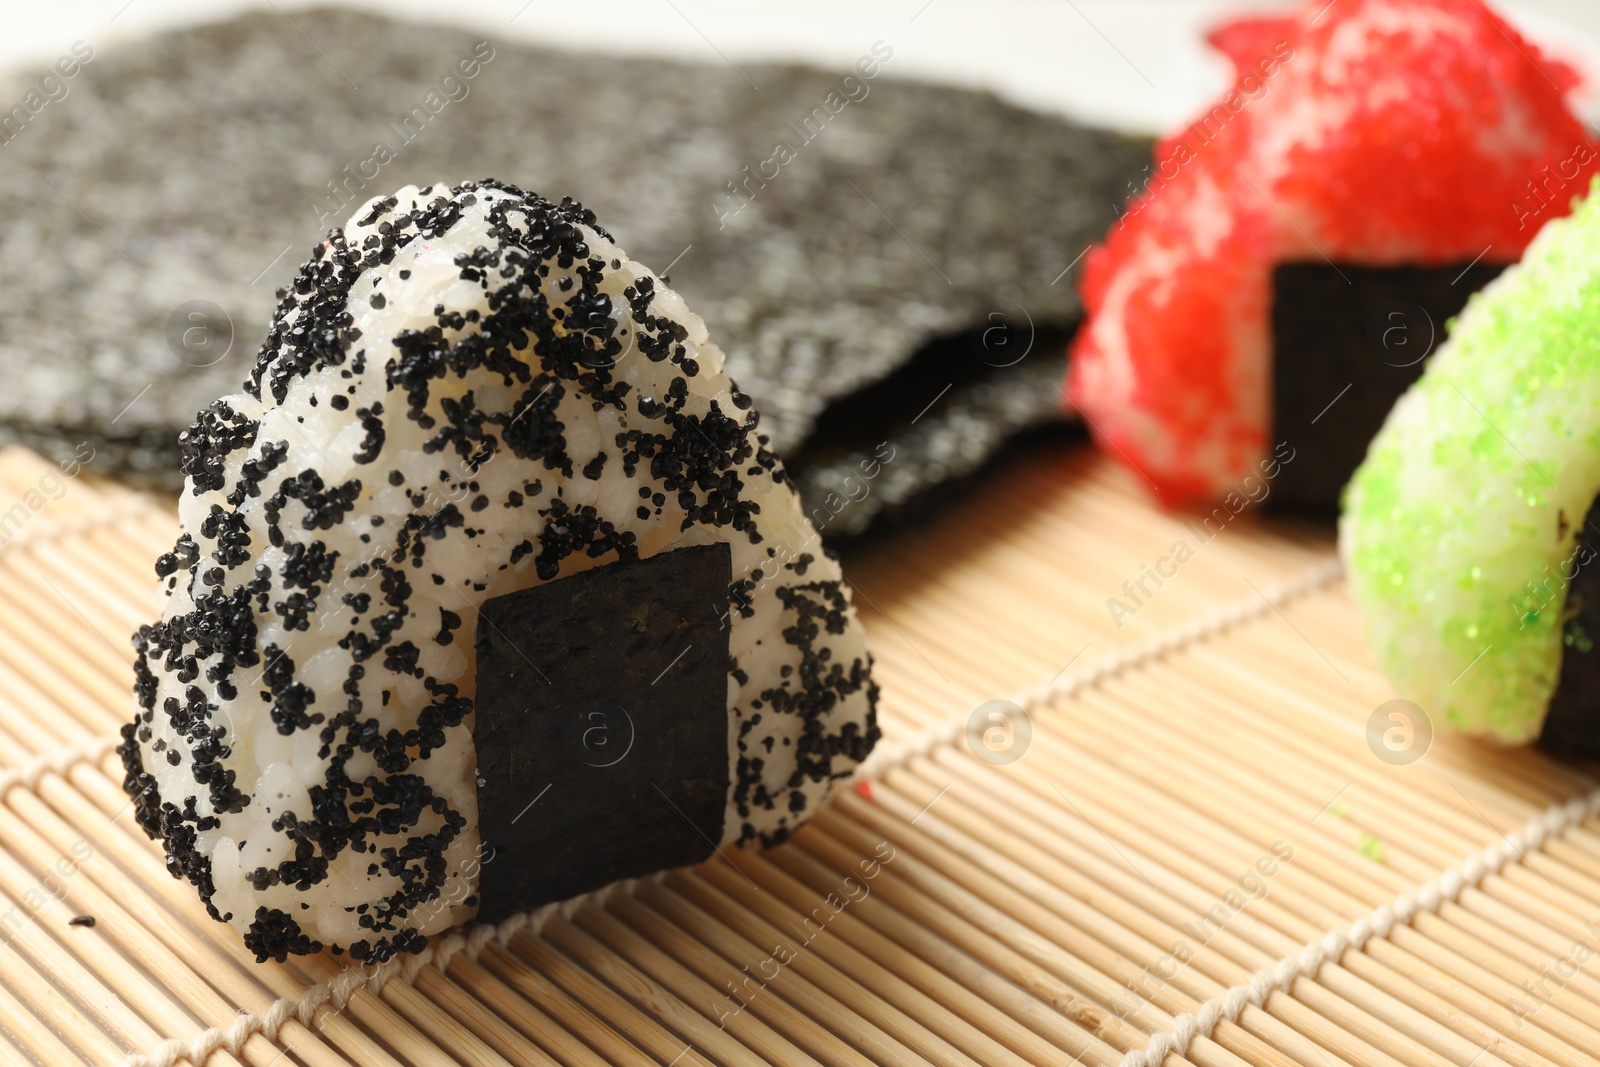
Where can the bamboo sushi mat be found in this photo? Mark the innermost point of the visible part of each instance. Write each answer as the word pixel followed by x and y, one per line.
pixel 1198 858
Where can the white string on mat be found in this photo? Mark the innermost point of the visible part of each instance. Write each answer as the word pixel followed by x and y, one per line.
pixel 336 992
pixel 1305 964
pixel 1200 629
pixel 441 951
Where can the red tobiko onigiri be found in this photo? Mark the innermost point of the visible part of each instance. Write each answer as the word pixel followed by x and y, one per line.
pixel 1373 132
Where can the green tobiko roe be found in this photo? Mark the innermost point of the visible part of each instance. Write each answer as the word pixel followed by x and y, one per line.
pixel 1459 531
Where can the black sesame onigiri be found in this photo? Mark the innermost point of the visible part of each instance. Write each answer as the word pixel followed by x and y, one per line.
pixel 471 397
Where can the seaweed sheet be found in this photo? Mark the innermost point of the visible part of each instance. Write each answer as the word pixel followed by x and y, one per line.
pixel 1347 341
pixel 616 765
pixel 153 211
pixel 1572 722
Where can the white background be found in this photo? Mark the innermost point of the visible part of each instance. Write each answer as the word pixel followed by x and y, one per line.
pixel 1136 64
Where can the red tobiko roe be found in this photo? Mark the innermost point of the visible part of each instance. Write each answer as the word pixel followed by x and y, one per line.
pixel 1367 131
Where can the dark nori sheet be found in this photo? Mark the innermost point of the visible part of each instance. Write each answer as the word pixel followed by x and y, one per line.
pixel 936 420
pixel 1347 341
pixel 602 727
pixel 1572 722
pixel 194 166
